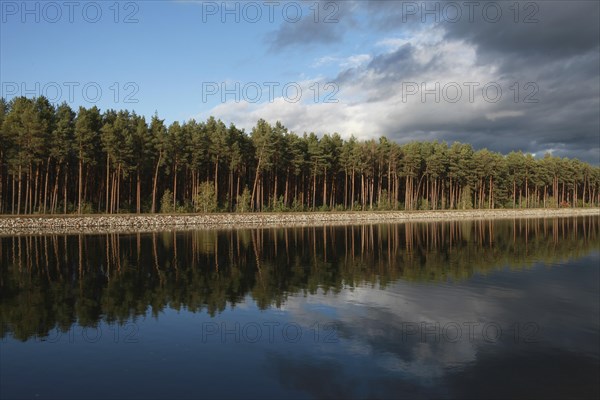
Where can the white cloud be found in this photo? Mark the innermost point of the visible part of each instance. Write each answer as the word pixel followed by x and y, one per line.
pixel 352 61
pixel 355 60
pixel 427 35
pixel 371 102
pixel 325 60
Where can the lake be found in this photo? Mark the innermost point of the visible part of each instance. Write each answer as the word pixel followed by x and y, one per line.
pixel 468 309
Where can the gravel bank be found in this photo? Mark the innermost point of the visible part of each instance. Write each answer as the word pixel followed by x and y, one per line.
pixel 124 223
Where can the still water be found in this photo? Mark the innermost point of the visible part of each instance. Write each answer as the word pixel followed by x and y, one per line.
pixel 480 309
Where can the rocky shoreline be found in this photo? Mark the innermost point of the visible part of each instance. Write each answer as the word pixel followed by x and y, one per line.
pixel 127 223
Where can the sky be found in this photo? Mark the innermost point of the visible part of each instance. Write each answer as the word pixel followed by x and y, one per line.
pixel 501 75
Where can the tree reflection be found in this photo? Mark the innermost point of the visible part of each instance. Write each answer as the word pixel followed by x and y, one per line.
pixel 53 281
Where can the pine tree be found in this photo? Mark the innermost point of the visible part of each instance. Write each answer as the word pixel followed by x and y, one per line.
pixel 62 151
pixel 87 134
pixel 121 161
pixel 159 147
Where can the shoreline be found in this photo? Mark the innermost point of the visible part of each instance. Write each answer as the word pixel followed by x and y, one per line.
pixel 134 223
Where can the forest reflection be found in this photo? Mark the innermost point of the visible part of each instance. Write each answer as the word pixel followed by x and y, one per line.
pixel 54 281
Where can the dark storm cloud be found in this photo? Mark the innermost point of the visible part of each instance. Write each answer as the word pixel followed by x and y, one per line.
pixel 542 30
pixel 399 63
pixel 389 68
pixel 552 46
pixel 565 118
pixel 557 50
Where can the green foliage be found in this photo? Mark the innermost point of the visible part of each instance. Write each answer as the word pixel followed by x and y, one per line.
pixel 87 131
pixel 86 208
pixel 205 200
pixel 186 208
pixel 423 204
pixel 118 162
pixel 279 205
pixel 384 204
pixel 243 201
pixel 166 202
pixel 466 199
pixel 297 206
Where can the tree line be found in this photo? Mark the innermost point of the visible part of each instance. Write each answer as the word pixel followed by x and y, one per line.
pixel 57 160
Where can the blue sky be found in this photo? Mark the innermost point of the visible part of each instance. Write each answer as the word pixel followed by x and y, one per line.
pixel 371 63
pixel 172 49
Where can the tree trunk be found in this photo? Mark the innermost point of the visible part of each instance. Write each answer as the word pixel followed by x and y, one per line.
pixel 314 191
pixel 514 193
pixel 345 189
pixel 217 179
pixel 80 185
pixel 230 194
pixel 275 199
pixel 287 187
pixel 118 198
pixel 371 192
pixel 352 197
pixel 154 182
pixel 362 191
pixel 65 190
pixel 45 185
pixel 175 187
pixel 107 181
pixel 491 199
pixel 255 182
pixel 55 191
pixel 325 187
pixel 139 193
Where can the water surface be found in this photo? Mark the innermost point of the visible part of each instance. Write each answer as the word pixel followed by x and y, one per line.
pixel 481 309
